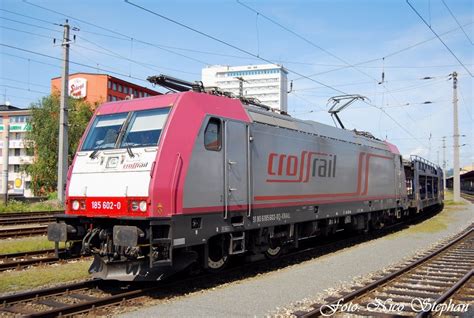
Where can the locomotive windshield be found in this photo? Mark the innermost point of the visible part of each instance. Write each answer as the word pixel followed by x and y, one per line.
pixel 104 132
pixel 144 128
pixel 135 129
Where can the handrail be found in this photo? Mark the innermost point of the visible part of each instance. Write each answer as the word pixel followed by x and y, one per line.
pixel 174 184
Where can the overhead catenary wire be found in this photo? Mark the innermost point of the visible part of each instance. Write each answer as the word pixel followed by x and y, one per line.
pixel 261 58
pixel 339 66
pixel 22 82
pixel 439 38
pixel 23 89
pixel 30 24
pixel 457 22
pixel 117 55
pixel 252 58
pixel 29 17
pixel 8 95
pixel 33 60
pixel 125 36
pixel 26 32
pixel 434 78
pixel 302 38
pixel 99 66
pixel 72 62
pixel 144 64
pixel 389 54
pixel 110 52
pixel 319 47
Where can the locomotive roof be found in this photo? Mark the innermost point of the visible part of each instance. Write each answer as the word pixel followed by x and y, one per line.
pixel 315 128
pixel 259 115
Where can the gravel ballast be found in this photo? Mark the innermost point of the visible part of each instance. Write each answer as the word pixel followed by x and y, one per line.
pixel 268 293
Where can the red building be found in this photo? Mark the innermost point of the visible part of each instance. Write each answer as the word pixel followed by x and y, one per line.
pixel 99 88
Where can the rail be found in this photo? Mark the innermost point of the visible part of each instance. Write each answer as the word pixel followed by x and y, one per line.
pixel 385 284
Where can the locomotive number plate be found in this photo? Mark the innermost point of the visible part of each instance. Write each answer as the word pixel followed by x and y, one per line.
pixel 106 205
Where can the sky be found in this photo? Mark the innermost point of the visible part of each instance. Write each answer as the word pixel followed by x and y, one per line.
pixel 329 48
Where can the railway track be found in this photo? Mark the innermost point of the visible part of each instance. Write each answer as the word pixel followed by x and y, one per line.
pixel 25 259
pixel 24 231
pixel 441 278
pixel 66 299
pixel 95 295
pixel 27 217
pixel 468 196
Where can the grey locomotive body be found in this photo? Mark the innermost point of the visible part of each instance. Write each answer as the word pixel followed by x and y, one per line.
pixel 276 180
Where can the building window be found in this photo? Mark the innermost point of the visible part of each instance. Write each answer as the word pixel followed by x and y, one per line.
pixel 109 84
pixel 125 90
pixel 17 119
pixel 114 86
pixel 120 88
pixel 109 98
pixel 17 152
pixel 16 168
pixel 212 135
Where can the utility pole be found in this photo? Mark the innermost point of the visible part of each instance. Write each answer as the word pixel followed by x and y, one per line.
pixel 63 118
pixel 5 157
pixel 444 163
pixel 456 179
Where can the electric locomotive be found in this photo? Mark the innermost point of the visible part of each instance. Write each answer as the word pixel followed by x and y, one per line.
pixel 193 178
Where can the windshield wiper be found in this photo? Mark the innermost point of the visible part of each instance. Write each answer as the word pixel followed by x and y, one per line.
pixel 94 153
pixel 130 152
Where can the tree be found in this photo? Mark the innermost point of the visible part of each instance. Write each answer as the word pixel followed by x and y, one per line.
pixel 42 139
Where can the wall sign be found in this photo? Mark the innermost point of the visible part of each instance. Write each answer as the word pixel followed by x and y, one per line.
pixel 78 87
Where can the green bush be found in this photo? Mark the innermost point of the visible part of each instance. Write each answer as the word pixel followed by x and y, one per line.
pixel 17 206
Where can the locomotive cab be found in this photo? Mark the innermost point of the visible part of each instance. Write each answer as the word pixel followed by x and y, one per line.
pixel 109 182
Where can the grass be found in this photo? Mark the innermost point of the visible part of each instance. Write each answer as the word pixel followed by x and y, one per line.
pixel 438 222
pixel 26 244
pixel 17 206
pixel 44 275
pixel 448 199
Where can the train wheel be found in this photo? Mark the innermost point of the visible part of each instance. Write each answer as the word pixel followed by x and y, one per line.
pixel 273 252
pixel 218 257
pixel 217 264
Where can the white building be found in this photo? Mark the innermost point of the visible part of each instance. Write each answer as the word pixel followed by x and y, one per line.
pixel 16 119
pixel 268 83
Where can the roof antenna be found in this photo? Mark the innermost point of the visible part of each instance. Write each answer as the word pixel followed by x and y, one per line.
pixel 336 108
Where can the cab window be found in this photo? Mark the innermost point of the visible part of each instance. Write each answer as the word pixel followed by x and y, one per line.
pixel 213 135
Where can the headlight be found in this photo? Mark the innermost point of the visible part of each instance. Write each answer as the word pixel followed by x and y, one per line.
pixel 143 206
pixel 75 205
pixel 134 205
